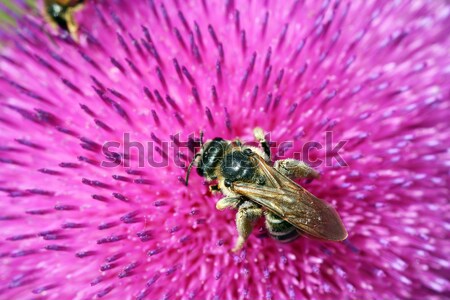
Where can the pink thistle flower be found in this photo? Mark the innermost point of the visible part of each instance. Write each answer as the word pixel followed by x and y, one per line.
pixel 373 73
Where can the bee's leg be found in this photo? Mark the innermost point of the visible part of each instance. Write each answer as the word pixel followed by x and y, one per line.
pixel 232 202
pixel 247 214
pixel 294 169
pixel 259 136
pixel 71 24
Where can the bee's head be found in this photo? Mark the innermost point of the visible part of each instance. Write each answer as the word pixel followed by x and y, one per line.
pixel 209 157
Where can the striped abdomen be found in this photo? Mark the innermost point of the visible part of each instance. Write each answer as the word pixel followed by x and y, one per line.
pixel 280 229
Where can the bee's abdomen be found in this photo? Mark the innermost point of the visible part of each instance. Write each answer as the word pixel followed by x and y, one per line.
pixel 280 229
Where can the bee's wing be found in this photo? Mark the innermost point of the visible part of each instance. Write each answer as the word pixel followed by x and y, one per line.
pixel 294 204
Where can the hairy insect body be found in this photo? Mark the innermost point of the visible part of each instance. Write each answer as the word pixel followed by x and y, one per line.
pixel 257 187
pixel 279 229
pixel 237 166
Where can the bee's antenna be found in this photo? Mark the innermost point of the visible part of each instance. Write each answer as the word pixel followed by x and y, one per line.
pixel 195 158
pixel 201 138
pixel 190 167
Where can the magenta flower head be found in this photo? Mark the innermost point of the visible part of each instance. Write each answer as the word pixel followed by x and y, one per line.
pixel 99 125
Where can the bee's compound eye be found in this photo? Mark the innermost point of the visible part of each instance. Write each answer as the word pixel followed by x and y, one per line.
pixel 248 151
pixel 200 171
pixel 227 183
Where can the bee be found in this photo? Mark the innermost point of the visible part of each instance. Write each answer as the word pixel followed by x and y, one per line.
pixel 59 13
pixel 256 186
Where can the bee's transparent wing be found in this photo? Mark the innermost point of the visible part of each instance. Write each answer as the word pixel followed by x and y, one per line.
pixel 294 204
